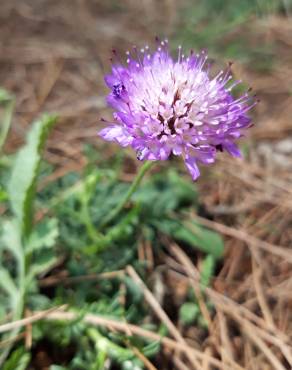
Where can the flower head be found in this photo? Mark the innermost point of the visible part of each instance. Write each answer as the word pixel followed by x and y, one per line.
pixel 167 106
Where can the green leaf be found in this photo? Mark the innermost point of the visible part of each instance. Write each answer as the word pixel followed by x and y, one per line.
pixel 7 284
pixel 133 290
pixel 165 193
pixel 4 96
pixel 152 348
pixel 189 312
pixel 22 183
pixel 207 271
pixel 8 101
pixel 18 360
pixel 11 284
pixel 10 240
pixel 3 194
pixel 41 264
pixel 44 235
pixel 125 226
pixel 197 236
pixel 207 240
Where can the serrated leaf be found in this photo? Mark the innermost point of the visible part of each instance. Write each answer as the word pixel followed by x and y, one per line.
pixel 10 240
pixel 11 285
pixel 44 235
pixel 7 99
pixel 42 264
pixel 7 284
pixel 22 183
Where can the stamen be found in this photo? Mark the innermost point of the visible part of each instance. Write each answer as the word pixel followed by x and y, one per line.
pixel 140 61
pixel 179 54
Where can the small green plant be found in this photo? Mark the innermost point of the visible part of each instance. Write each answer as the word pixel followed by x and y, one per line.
pixel 25 251
pixel 83 229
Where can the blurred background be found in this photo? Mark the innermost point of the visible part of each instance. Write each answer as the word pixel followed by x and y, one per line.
pixel 53 56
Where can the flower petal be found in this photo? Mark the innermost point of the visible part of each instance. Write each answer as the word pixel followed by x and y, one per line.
pixel 116 133
pixel 192 167
pixel 232 149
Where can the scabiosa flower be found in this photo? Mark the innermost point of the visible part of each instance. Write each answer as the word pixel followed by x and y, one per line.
pixel 167 106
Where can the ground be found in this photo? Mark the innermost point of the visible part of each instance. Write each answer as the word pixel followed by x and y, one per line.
pixel 53 56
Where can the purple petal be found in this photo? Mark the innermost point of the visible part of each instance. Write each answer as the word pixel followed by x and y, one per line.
pixel 232 149
pixel 193 168
pixel 116 133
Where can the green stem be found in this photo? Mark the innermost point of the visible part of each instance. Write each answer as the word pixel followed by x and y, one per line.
pixel 143 169
pixel 94 235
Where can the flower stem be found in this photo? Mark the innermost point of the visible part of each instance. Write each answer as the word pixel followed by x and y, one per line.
pixel 111 215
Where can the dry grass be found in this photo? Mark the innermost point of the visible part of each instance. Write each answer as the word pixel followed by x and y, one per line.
pixel 52 57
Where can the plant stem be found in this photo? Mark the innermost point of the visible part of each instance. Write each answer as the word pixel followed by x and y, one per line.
pixel 94 234
pixel 111 215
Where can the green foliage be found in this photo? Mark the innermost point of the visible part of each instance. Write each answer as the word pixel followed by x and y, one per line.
pixel 74 232
pixel 12 285
pixel 7 101
pixel 19 360
pixel 208 268
pixel 18 267
pixel 43 235
pixel 22 184
pixel 188 313
pixel 197 236
pixel 226 29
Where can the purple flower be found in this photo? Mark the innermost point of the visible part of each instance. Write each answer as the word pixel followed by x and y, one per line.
pixel 165 106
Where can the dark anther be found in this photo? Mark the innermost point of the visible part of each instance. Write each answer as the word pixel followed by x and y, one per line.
pixel 139 154
pixel 170 123
pixel 219 148
pixel 161 119
pixel 176 97
pixel 118 89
